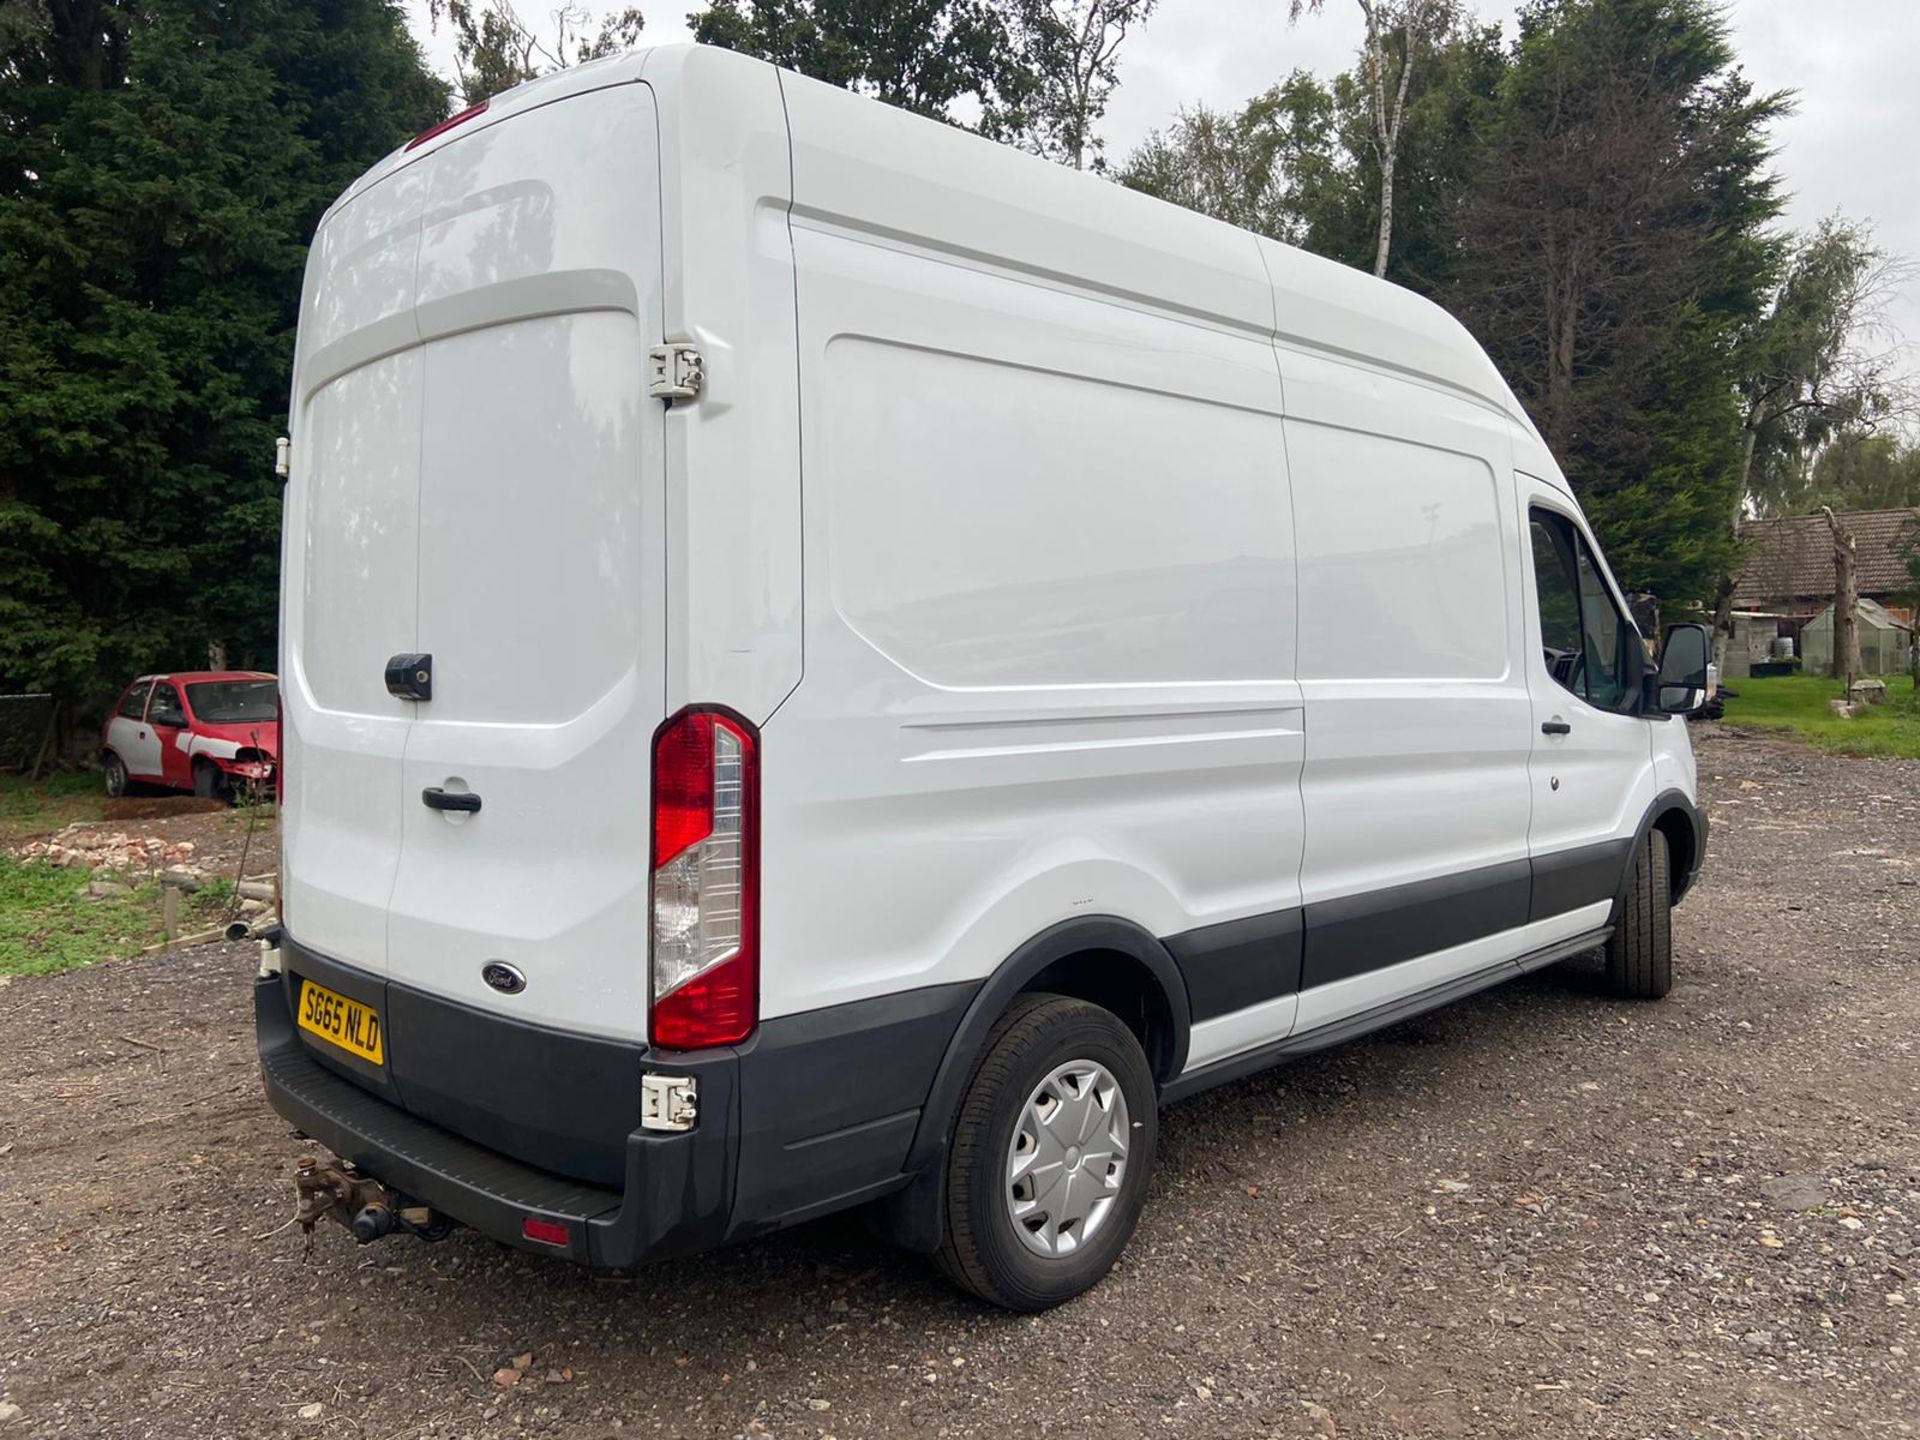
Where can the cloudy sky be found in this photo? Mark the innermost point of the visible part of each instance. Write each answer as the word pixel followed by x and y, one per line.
pixel 1850 146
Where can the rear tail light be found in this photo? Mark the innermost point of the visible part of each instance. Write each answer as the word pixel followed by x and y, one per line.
pixel 706 840
pixel 545 1232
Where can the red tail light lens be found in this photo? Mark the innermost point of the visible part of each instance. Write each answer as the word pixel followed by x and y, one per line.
pixel 545 1232
pixel 705 958
pixel 470 113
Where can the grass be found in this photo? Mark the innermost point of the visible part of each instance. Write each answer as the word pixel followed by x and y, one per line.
pixel 1797 705
pixel 48 919
pixel 47 923
pixel 58 800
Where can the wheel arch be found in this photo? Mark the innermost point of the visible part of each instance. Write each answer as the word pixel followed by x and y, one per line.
pixel 1685 829
pixel 1103 959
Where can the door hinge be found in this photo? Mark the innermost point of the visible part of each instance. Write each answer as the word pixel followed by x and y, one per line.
pixel 283 457
pixel 669 1102
pixel 674 372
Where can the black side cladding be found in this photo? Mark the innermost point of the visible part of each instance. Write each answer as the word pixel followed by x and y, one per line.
pixel 1584 875
pixel 1230 966
pixel 1358 933
pixel 1243 962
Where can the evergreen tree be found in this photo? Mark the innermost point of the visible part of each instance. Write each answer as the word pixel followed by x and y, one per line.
pixel 928 56
pixel 1613 250
pixel 163 166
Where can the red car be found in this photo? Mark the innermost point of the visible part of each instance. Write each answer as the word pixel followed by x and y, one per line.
pixel 208 731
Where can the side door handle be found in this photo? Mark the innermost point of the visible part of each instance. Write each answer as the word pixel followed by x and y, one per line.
pixel 1555 727
pixel 437 799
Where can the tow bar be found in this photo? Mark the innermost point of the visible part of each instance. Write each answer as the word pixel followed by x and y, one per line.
pixel 336 1190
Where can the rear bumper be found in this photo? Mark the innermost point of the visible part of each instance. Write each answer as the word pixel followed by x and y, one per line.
pixel 678 1189
pixel 814 1113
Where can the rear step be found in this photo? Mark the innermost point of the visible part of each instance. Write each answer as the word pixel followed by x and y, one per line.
pixel 453 1176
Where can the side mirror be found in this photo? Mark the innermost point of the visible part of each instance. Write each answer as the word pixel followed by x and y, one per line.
pixel 1682 683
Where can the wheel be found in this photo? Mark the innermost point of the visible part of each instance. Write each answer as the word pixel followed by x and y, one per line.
pixel 207 781
pixel 1051 1155
pixel 116 773
pixel 1640 951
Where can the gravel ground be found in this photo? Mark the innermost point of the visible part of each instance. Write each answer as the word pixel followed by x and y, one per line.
pixel 1540 1212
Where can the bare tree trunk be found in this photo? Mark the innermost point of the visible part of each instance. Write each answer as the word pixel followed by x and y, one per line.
pixel 1846 602
pixel 1723 600
pixel 1564 308
pixel 1387 122
pixel 1386 218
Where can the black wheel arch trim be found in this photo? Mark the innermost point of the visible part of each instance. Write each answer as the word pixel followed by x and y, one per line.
pixel 1667 802
pixel 1078 936
pixel 914 1217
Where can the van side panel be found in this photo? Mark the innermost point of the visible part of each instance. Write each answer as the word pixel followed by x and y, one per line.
pixel 1049 583
pixel 1418 717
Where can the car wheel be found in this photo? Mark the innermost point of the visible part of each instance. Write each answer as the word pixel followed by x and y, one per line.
pixel 1640 950
pixel 116 775
pixel 208 783
pixel 1051 1155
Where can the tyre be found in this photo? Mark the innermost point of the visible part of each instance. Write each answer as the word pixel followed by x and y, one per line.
pixel 116 774
pixel 1051 1155
pixel 208 783
pixel 1640 951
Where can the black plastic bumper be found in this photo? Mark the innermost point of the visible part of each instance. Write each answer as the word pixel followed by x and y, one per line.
pixel 677 1196
pixel 491 1121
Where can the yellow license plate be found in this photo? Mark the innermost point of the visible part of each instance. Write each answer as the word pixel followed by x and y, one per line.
pixel 352 1026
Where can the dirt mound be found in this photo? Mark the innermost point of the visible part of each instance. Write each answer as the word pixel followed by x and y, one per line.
pixel 157 807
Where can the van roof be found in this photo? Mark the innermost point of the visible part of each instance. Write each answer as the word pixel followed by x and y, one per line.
pixel 889 174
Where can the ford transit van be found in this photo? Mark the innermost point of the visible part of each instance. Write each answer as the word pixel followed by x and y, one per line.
pixel 831 663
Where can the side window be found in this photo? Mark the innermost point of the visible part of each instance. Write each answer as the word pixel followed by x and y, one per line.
pixel 1606 636
pixel 1589 646
pixel 135 704
pixel 166 707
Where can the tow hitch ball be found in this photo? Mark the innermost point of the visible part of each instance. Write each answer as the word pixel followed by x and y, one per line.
pixel 334 1190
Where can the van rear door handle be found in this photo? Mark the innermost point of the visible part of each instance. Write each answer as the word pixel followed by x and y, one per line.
pixel 437 799
pixel 1555 727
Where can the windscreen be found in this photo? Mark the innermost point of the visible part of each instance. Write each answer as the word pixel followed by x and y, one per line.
pixel 234 702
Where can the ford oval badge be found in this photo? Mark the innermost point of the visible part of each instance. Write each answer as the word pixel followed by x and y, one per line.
pixel 503 977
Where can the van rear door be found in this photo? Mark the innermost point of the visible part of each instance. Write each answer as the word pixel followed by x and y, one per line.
pixel 351 519
pixel 519 543
pixel 541 568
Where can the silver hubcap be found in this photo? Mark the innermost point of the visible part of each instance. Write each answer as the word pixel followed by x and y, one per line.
pixel 1068 1158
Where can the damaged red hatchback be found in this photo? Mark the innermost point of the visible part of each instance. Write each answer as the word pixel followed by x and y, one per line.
pixel 213 732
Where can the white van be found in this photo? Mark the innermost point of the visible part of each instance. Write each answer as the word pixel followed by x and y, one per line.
pixel 828 662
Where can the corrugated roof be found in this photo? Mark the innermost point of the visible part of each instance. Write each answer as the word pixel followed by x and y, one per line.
pixel 1792 557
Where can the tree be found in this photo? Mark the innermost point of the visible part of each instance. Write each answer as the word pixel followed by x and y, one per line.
pixel 494 49
pixel 1819 363
pixel 1070 54
pixel 921 55
pixel 1612 249
pixel 162 167
pixel 1846 604
pixel 1271 168
pixel 1298 163
pixel 1863 470
pixel 1388 76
